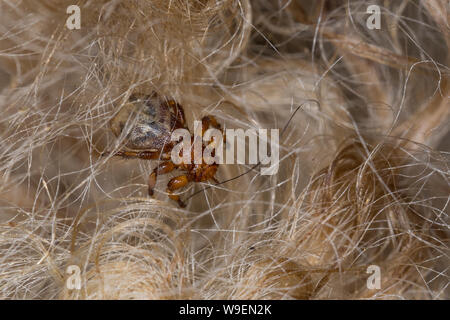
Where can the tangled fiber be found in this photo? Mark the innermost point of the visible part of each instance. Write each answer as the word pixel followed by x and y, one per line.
pixel 363 175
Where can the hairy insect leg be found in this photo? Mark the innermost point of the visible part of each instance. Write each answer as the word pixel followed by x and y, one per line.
pixel 162 168
pixel 211 122
pixel 175 184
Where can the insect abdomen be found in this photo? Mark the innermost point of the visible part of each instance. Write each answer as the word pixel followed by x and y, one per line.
pixel 151 120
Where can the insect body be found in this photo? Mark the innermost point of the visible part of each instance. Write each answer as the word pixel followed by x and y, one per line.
pixel 153 119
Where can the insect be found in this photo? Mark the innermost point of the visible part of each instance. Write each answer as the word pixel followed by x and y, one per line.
pixel 149 138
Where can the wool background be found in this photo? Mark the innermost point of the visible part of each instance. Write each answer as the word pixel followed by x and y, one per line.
pixel 364 164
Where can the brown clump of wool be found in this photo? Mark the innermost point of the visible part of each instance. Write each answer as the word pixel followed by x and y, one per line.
pixel 274 279
pixel 353 215
pixel 360 183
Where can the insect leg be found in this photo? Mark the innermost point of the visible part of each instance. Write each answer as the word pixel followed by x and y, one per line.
pixel 162 168
pixel 174 184
pixel 210 122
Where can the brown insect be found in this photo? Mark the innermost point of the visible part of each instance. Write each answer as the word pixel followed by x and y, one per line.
pixel 149 138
